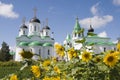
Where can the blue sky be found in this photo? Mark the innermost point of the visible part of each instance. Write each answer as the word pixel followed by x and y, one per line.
pixel 61 14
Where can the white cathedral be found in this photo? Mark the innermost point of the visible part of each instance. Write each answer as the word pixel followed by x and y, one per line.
pixel 40 41
pixel 93 42
pixel 36 39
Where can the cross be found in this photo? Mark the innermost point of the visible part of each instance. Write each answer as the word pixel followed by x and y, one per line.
pixel 90 21
pixel 77 18
pixel 47 21
pixel 23 20
pixel 35 10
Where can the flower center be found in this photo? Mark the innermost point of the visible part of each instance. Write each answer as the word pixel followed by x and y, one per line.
pixel 110 59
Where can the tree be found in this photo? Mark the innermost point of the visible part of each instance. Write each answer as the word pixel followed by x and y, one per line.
pixel 4 52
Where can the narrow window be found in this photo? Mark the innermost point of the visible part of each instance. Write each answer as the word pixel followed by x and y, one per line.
pixel 39 52
pixel 48 52
pixel 104 49
pixel 75 34
pixel 24 32
pixel 35 28
pixel 79 35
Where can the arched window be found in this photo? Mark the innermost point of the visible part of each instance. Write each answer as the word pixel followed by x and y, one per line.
pixel 104 49
pixel 75 34
pixel 46 33
pixel 24 32
pixel 39 52
pixel 79 35
pixel 48 52
pixel 35 28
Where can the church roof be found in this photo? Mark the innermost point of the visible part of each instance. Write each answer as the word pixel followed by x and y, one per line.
pixel 46 27
pixel 77 27
pixel 34 19
pixel 68 38
pixel 23 44
pixel 47 44
pixel 100 43
pixel 35 43
pixel 23 26
pixel 90 29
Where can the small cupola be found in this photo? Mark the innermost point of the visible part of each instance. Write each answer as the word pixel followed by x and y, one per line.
pixel 23 28
pixel 46 29
pixel 35 19
pixel 90 29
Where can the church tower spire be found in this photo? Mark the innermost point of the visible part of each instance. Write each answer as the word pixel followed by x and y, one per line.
pixel 34 26
pixel 23 28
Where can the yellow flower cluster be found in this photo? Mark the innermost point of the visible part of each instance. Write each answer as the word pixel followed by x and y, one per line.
pixel 36 71
pixel 118 46
pixel 52 78
pixel 46 63
pixel 59 50
pixel 13 77
pixel 72 53
pixel 86 56
pixel 111 59
pixel 57 70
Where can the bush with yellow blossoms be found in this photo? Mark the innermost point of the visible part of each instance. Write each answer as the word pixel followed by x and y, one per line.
pixel 80 65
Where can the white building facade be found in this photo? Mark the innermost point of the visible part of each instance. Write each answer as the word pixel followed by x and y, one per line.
pixel 92 41
pixel 36 39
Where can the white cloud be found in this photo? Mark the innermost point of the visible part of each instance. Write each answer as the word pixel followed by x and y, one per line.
pixel 97 21
pixel 6 10
pixel 116 2
pixel 102 34
pixel 94 9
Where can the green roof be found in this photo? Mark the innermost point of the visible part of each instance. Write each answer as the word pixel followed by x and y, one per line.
pixel 35 43
pixel 68 38
pixel 95 36
pixel 44 37
pixel 23 44
pixel 77 27
pixel 99 43
pixel 47 44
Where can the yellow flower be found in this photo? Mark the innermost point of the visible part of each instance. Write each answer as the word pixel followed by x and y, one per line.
pixel 110 59
pixel 97 59
pixel 36 71
pixel 118 46
pixel 55 78
pixel 59 50
pixel 56 69
pixel 46 63
pixel 46 78
pixel 86 56
pixel 13 77
pixel 72 53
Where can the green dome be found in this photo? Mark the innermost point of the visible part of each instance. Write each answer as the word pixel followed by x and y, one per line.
pixel 35 43
pixel 47 44
pixel 77 27
pixel 23 44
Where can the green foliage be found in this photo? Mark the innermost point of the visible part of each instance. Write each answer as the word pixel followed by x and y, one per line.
pixel 4 53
